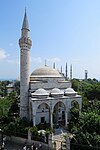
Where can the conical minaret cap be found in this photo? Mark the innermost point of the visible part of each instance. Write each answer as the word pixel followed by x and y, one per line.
pixel 25 22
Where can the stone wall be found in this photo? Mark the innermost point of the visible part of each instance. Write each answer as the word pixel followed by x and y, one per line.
pixel 49 83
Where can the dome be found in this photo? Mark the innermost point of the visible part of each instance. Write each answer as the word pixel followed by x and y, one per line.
pixel 56 92
pixel 40 92
pixel 46 72
pixel 70 91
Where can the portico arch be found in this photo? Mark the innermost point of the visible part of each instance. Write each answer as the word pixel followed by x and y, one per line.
pixel 59 111
pixel 74 104
pixel 75 108
pixel 43 113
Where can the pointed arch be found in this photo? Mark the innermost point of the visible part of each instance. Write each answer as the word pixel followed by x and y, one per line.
pixel 74 104
pixel 74 111
pixel 43 113
pixel 59 110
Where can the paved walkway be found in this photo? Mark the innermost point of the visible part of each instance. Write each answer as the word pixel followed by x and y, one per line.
pixel 16 146
pixel 58 137
pixel 13 146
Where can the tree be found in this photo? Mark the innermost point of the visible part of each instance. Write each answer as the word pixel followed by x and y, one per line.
pixel 17 87
pixel 75 84
pixel 3 87
pixel 6 104
pixel 87 130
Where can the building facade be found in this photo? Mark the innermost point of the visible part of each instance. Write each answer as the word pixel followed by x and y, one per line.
pixel 45 95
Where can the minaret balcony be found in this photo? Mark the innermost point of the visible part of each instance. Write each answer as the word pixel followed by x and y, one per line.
pixel 25 42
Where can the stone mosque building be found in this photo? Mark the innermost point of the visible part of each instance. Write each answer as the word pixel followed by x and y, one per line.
pixel 45 95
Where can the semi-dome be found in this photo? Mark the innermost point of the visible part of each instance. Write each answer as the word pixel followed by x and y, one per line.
pixel 46 72
pixel 70 91
pixel 56 92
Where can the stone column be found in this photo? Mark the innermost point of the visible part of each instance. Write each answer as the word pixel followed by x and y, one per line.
pixel 29 136
pixel 51 119
pixel 68 143
pixel 50 141
pixel 66 119
pixel 51 113
pixel 34 120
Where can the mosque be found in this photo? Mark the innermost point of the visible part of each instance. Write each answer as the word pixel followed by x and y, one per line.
pixel 45 95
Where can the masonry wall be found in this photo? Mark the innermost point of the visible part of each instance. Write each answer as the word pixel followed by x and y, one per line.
pixel 49 83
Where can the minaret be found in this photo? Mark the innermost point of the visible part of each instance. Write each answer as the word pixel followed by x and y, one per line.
pixel 71 72
pixel 66 75
pixel 86 74
pixel 61 69
pixel 25 45
pixel 45 62
pixel 54 65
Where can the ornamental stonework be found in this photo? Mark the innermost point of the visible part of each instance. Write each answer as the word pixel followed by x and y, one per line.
pixel 25 40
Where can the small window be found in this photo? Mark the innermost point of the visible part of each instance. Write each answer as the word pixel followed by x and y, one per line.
pixel 43 110
pixel 63 112
pixel 59 118
pixel 42 119
pixel 59 104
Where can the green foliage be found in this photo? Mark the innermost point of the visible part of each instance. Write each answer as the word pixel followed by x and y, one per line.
pixel 75 84
pixel 17 87
pixel 15 125
pixel 6 104
pixel 87 130
pixel 34 130
pixel 49 131
pixel 3 89
pixel 90 88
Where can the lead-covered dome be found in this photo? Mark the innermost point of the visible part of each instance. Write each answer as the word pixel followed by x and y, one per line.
pixel 56 92
pixel 70 91
pixel 40 93
pixel 46 72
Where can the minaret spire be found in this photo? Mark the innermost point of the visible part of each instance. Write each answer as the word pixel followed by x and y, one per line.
pixel 45 62
pixel 61 69
pixel 54 65
pixel 66 71
pixel 25 22
pixel 71 72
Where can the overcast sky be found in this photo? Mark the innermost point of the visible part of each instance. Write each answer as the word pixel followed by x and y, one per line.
pixel 61 31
